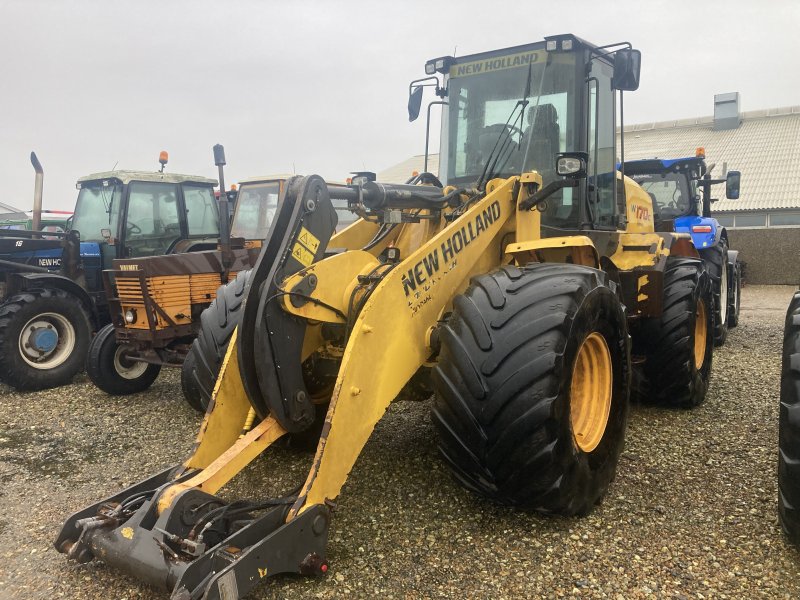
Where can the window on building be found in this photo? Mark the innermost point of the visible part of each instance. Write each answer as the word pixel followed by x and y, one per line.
pixel 751 220
pixel 725 220
pixel 784 219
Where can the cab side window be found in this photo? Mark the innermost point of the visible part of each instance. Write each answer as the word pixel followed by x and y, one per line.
pixel 202 214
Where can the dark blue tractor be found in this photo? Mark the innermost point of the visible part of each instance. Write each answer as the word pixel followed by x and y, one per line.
pixel 52 296
pixel 681 192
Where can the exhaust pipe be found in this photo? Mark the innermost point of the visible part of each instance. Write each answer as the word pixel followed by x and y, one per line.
pixel 37 192
pixel 224 222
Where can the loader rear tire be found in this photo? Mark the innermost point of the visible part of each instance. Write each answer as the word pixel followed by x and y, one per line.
pixel 191 392
pixel 217 322
pixel 532 387
pixel 716 263
pixel 678 345
pixel 58 323
pixel 110 370
pixel 789 426
pixel 201 366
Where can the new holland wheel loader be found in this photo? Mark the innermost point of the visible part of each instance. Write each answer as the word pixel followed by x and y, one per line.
pixel 519 278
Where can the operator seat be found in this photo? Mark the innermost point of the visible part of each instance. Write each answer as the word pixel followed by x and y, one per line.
pixel 543 134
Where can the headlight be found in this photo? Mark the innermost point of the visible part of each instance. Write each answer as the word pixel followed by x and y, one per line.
pixel 130 316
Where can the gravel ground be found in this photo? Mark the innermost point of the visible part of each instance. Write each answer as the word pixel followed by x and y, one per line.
pixel 692 513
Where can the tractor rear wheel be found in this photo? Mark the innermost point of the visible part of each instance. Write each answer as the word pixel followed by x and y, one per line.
pixel 44 336
pixel 532 387
pixel 678 345
pixel 735 296
pixel 217 322
pixel 716 262
pixel 110 369
pixel 789 426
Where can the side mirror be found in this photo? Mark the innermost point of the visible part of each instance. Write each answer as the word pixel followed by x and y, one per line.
pixel 414 103
pixel 572 164
pixel 732 182
pixel 627 64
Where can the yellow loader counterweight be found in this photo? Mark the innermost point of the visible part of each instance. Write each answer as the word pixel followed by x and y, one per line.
pixel 520 287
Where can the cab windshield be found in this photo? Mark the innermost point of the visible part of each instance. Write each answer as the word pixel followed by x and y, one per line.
pixel 670 194
pixel 97 208
pixel 256 205
pixel 483 94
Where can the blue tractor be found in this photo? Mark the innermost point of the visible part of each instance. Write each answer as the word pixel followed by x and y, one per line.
pixel 52 297
pixel 681 192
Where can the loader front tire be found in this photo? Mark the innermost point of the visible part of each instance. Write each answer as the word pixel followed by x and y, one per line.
pixel 44 336
pixel 112 371
pixel 217 323
pixel 678 345
pixel 789 426
pixel 532 387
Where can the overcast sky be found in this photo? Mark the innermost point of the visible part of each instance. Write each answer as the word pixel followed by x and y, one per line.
pixel 321 87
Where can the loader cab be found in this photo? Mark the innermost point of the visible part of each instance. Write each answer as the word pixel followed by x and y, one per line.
pixel 126 214
pixel 518 109
pixel 256 205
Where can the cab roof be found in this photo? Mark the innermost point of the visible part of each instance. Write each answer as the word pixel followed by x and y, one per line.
pixel 648 165
pixel 126 177
pixel 266 178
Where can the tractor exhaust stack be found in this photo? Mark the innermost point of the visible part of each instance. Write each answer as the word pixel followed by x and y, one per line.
pixel 37 192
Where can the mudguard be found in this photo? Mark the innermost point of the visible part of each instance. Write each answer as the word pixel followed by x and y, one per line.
pixel 701 240
pixel 28 281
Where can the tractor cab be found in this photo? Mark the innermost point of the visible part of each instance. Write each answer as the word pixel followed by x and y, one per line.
pixel 547 107
pixel 128 214
pixel 680 189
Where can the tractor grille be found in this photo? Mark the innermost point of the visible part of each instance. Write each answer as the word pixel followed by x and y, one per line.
pixel 175 295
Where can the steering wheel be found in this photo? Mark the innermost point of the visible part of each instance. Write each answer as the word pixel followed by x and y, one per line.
pixel 133 228
pixel 512 129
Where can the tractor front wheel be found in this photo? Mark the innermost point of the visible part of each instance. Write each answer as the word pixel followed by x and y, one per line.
pixel 532 387
pixel 110 369
pixel 44 335
pixel 789 426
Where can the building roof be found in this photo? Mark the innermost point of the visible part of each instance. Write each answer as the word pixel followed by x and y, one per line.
pixel 128 176
pixel 765 148
pixel 400 173
pixel 7 208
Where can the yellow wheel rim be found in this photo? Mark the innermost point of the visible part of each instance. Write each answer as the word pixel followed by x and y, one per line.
pixel 590 392
pixel 700 335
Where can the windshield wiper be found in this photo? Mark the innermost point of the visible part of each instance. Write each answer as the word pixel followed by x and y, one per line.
pixel 505 136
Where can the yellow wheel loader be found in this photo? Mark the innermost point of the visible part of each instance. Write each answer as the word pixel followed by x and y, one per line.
pixel 519 278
